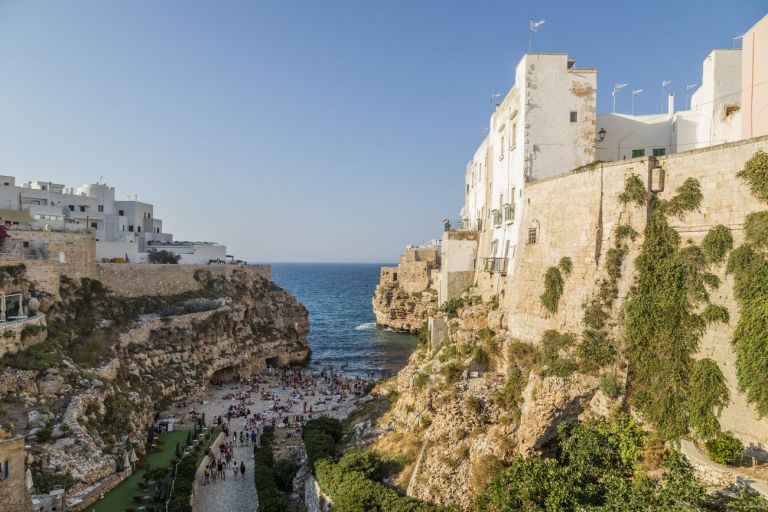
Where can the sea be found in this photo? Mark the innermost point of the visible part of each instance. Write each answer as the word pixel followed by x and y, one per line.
pixel 343 330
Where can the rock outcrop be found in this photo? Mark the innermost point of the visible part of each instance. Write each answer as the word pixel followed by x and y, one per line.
pixel 401 310
pixel 81 416
pixel 480 400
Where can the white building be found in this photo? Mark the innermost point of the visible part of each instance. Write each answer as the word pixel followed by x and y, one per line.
pixel 714 117
pixel 125 230
pixel 543 127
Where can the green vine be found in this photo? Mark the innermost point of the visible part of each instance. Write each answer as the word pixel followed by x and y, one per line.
pixel 634 191
pixel 553 289
pixel 709 394
pixel 662 326
pixel 716 244
pixel 755 173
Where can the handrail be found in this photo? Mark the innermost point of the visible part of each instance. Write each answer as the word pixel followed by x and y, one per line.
pixel 496 265
pixel 462 225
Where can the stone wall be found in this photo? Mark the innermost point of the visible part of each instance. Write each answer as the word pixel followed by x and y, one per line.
pixel 136 279
pixel 13 491
pixel 578 215
pixel 11 339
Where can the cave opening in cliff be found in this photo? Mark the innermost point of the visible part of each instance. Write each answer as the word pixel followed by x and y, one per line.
pixel 223 375
pixel 272 362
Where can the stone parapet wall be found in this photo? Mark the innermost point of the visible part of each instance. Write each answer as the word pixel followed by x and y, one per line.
pixel 137 279
pixel 577 216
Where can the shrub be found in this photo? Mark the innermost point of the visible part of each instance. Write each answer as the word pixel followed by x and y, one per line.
pixel 755 173
pixel 422 336
pixel 565 265
pixel 725 449
pixel 708 396
pixel 474 405
pixel 451 308
pixel 452 371
pixel 553 289
pixel 320 437
pixel 163 256
pixel 595 350
pixel 756 229
pixel 420 380
pixel 716 244
pixel 510 394
pixel 480 355
pixel 284 471
pixel 634 191
pixel 610 386
pixel 714 313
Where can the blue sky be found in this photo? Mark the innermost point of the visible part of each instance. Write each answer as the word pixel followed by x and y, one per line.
pixel 318 130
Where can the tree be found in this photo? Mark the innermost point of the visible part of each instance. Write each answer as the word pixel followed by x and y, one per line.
pixel 163 256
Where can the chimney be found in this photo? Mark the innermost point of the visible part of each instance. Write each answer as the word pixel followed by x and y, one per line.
pixel 671 103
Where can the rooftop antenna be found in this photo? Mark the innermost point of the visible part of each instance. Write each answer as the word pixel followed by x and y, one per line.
pixel 664 84
pixel 533 26
pixel 688 95
pixel 494 97
pixel 736 38
pixel 101 178
pixel 635 92
pixel 616 89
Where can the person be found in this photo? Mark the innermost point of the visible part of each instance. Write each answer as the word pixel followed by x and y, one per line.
pixel 207 476
pixel 242 470
pixel 234 469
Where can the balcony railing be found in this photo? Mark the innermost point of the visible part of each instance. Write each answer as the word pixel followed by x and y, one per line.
pixel 462 225
pixel 509 212
pixel 496 265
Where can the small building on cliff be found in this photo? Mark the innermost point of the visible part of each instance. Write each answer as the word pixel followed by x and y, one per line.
pixel 407 292
pixel 14 495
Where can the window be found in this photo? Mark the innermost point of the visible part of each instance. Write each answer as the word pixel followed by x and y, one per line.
pixel 82 208
pixel 531 235
pixel 130 228
pixel 157 230
pixel 101 208
pixel 138 228
pixel 501 150
pixel 94 225
pixel 636 153
pixel 121 213
pixel 513 140
pixel 659 151
pixel 71 207
pixel 574 116
pixel 394 276
pixel 122 228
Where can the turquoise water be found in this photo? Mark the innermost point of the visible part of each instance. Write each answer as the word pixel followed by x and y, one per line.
pixel 342 325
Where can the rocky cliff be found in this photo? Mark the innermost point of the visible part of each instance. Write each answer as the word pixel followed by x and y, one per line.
pixel 109 362
pixel 401 310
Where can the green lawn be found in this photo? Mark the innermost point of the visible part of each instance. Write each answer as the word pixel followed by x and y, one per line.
pixel 121 497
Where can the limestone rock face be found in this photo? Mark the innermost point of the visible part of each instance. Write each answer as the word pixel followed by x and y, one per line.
pixel 252 324
pixel 462 425
pixel 398 309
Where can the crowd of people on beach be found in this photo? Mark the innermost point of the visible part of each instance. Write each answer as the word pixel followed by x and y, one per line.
pixel 280 398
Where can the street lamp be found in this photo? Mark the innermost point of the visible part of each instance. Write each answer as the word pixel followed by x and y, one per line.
pixel 616 89
pixel 635 92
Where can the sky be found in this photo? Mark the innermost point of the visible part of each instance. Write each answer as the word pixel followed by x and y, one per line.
pixel 316 130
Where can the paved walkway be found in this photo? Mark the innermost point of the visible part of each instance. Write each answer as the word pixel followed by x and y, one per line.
pixel 233 494
pixel 725 473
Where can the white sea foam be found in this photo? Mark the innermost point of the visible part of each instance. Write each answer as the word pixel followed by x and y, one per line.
pixel 366 326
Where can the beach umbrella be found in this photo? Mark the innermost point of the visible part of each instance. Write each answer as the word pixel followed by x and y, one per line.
pixel 28 479
pixel 132 457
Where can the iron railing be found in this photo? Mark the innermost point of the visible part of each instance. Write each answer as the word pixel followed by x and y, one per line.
pixel 496 265
pixel 462 225
pixel 496 216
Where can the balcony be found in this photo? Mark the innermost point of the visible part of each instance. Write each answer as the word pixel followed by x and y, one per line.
pixel 509 212
pixel 496 265
pixel 462 225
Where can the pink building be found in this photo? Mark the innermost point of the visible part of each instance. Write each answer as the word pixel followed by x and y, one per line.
pixel 754 81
